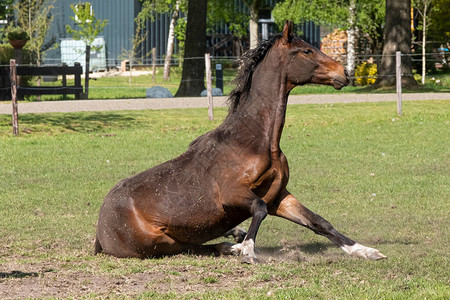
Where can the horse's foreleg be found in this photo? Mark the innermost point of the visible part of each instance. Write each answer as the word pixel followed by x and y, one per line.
pixel 259 212
pixel 290 208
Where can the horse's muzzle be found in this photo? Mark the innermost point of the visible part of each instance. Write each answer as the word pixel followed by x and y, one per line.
pixel 341 81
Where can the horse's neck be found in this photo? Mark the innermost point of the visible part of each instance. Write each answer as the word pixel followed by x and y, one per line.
pixel 266 105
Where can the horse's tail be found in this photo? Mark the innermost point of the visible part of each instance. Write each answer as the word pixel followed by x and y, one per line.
pixel 97 246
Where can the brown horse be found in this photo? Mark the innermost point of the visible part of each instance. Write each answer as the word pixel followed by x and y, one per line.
pixel 228 175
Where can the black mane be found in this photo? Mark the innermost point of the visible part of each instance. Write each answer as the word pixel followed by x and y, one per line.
pixel 247 65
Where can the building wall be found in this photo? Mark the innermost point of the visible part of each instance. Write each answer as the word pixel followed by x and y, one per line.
pixel 121 27
pixel 117 34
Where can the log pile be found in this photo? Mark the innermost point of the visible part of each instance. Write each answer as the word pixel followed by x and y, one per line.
pixel 335 45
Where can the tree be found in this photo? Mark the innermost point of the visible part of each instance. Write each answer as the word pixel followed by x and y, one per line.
pixel 174 7
pixel 253 7
pixel 6 13
pixel 353 15
pixel 90 28
pixel 192 77
pixel 171 41
pixel 439 30
pixel 424 8
pixel 397 37
pixel 33 17
pixel 226 12
pixel 136 41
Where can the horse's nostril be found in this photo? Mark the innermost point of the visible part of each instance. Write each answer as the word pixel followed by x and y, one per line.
pixel 346 73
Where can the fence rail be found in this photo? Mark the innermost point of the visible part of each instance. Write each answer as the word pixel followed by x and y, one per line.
pixel 6 81
pixel 8 86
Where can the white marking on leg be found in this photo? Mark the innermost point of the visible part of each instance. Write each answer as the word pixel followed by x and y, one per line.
pixel 229 248
pixel 359 250
pixel 236 249
pixel 248 248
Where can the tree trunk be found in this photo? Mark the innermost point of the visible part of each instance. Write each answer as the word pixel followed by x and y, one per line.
pixel 170 42
pixel 253 7
pixel 397 37
pixel 192 77
pixel 253 33
pixel 351 41
pixel 424 40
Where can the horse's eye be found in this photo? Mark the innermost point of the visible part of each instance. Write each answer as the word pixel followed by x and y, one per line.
pixel 307 51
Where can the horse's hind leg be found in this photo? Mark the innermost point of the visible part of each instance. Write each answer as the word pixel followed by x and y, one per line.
pixel 290 208
pixel 237 233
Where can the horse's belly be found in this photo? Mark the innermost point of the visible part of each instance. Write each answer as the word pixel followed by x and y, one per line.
pixel 200 228
pixel 189 215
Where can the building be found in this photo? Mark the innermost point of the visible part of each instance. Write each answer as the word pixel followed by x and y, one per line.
pixel 121 27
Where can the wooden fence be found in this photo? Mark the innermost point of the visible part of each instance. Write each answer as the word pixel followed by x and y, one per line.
pixel 64 89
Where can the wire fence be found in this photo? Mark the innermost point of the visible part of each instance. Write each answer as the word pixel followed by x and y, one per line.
pixel 229 64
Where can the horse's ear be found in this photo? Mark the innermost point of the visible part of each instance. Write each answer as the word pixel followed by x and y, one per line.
pixel 287 32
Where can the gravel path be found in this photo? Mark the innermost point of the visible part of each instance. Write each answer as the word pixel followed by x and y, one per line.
pixel 138 104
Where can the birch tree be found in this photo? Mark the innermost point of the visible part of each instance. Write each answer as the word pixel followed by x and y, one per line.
pixel 253 7
pixel 424 8
pixel 173 7
pixel 351 39
pixel 171 41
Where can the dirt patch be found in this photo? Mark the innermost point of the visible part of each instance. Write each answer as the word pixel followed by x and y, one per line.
pixel 89 277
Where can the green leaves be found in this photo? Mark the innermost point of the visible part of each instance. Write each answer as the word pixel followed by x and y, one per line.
pixel 90 26
pixel 369 14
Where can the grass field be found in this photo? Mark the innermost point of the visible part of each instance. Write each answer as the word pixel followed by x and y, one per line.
pixel 382 180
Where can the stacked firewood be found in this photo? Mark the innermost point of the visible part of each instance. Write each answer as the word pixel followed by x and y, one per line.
pixel 335 45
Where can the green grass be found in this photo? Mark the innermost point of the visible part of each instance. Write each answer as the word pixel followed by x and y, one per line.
pixel 382 180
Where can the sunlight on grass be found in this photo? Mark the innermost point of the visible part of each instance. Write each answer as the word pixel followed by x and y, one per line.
pixel 378 178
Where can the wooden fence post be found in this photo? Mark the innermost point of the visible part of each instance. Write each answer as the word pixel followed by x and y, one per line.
pixel 64 80
pixel 78 79
pixel 398 75
pixel 153 64
pixel 86 76
pixel 209 86
pixel 15 113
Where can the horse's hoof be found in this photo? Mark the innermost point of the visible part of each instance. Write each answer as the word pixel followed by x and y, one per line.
pixel 249 260
pixel 358 250
pixel 376 255
pixel 370 253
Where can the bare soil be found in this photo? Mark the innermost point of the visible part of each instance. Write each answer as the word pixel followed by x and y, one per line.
pixel 52 278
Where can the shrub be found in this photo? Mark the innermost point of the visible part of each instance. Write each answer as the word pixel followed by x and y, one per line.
pixel 366 73
pixel 7 53
pixel 17 34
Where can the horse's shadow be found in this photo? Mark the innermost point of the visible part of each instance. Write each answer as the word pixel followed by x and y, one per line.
pixel 18 274
pixel 310 248
pixel 79 122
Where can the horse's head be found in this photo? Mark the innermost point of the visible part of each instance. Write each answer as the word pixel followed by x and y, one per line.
pixel 307 64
